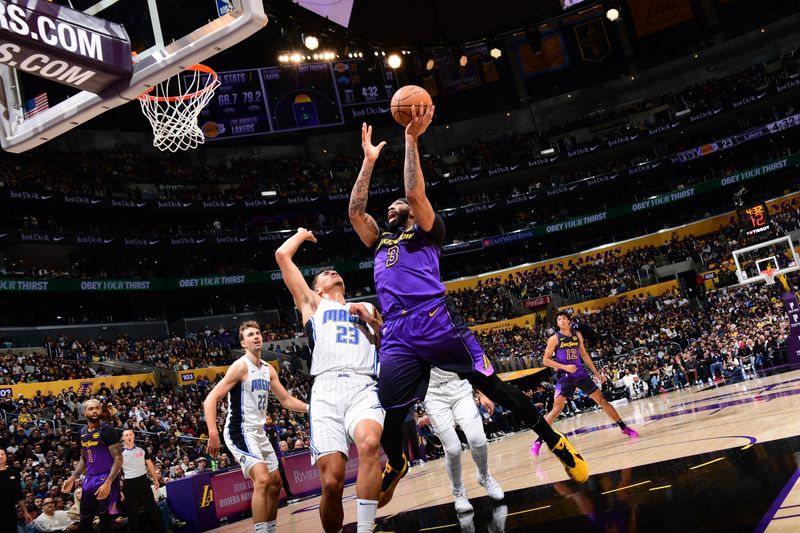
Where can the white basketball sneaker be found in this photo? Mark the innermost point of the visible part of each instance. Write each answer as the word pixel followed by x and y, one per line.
pixel 462 503
pixel 491 486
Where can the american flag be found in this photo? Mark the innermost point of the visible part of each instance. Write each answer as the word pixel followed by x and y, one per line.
pixel 36 105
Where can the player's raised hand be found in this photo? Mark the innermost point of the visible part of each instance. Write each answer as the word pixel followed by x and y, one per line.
pixel 421 117
pixel 570 369
pixel 307 235
pixel 371 152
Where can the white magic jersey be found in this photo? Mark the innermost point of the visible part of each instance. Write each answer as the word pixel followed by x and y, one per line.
pixel 340 341
pixel 447 384
pixel 247 400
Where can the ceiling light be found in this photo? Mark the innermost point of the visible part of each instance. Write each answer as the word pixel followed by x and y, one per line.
pixel 394 60
pixel 495 53
pixel 612 14
pixel 462 61
pixel 311 42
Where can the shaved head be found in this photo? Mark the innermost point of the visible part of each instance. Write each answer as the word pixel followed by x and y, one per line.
pixel 88 403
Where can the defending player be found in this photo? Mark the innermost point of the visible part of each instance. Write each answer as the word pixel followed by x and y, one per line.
pixel 101 459
pixel 422 327
pixel 344 398
pixel 567 345
pixel 449 401
pixel 247 383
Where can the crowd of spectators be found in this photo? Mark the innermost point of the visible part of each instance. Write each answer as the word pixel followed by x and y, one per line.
pixel 643 346
pixel 112 173
pixel 39 434
pixel 706 95
pixel 206 348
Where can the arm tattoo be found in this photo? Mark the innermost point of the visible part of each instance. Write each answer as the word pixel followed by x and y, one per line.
pixel 116 452
pixel 358 198
pixel 79 469
pixel 410 167
pixel 372 225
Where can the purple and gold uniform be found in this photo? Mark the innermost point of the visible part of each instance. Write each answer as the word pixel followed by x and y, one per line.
pixel 421 327
pixel 568 352
pixel 98 461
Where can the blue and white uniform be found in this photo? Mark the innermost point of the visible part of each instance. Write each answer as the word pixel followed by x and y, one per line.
pixel 344 364
pixel 244 431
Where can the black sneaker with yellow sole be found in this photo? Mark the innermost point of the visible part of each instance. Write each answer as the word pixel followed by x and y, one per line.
pixel 389 481
pixel 573 462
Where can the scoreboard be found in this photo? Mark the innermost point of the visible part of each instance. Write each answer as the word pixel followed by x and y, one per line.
pixel 288 98
pixel 365 89
pixel 754 219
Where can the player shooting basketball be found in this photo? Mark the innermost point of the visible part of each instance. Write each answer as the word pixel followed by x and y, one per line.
pixel 422 326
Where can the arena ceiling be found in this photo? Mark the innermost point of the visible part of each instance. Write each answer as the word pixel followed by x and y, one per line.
pixel 427 22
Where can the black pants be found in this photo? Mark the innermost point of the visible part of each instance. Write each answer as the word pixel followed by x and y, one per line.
pixel 138 494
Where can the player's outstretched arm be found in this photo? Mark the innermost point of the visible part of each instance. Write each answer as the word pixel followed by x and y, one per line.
pixel 414 181
pixel 286 399
pixel 363 223
pixel 232 376
pixel 305 299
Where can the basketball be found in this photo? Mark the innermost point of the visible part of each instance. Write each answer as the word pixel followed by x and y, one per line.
pixel 404 98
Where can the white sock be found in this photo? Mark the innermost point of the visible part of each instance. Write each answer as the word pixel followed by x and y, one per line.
pixel 477 442
pixel 261 527
pixel 272 526
pixel 365 515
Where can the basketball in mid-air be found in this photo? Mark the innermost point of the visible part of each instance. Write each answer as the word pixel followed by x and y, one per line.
pixel 404 98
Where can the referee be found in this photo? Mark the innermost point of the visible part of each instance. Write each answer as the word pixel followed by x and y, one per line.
pixel 136 463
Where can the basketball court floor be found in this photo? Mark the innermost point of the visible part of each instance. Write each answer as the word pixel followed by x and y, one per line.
pixel 722 459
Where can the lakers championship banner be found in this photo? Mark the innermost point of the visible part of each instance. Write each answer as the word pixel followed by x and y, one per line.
pixel 592 40
pixel 187 377
pixel 551 57
pixel 598 304
pixel 650 16
pixel 79 386
pixel 524 321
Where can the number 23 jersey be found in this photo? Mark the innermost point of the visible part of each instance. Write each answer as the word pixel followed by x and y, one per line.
pixel 340 341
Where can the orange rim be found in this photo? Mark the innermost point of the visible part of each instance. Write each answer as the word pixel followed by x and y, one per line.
pixel 200 68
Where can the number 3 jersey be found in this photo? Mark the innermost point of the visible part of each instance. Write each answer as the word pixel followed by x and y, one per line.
pixel 568 352
pixel 247 400
pixel 340 341
pixel 407 268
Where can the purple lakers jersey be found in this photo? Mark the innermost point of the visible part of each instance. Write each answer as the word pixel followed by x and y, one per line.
pixel 94 449
pixel 568 352
pixel 407 268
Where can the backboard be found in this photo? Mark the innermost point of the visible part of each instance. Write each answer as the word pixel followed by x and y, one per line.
pixel 167 35
pixel 776 256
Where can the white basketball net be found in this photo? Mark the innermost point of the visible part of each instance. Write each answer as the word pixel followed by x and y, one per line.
pixel 172 109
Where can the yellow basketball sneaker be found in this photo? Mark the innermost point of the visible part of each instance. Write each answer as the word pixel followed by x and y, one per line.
pixel 574 464
pixel 389 481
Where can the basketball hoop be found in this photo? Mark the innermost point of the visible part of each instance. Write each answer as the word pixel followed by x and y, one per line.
pixel 172 110
pixel 769 276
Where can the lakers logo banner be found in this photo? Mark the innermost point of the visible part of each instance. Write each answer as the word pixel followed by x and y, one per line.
pixel 592 40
